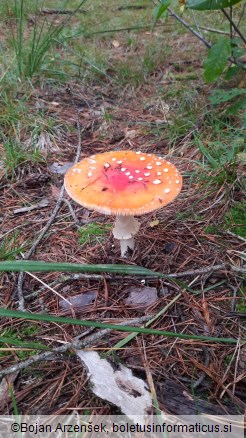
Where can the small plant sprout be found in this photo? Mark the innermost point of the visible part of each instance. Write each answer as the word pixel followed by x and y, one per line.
pixel 125 184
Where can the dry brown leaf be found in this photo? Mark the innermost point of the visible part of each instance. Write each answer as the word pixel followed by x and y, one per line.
pixel 116 44
pixel 55 191
pixel 5 388
pixel 206 313
pixel 59 168
pixel 78 301
pixel 131 134
pixel 141 297
pixel 153 224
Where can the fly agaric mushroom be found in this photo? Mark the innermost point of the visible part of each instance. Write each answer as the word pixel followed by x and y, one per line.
pixel 125 184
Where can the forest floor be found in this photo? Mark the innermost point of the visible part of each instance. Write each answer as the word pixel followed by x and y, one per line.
pixel 143 91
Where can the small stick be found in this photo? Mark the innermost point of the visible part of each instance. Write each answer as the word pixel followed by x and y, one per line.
pixel 198 35
pixel 208 269
pixel 33 248
pixel 189 273
pixel 230 233
pixel 48 287
pixel 76 221
pixel 45 229
pixel 61 11
pixel 66 278
pixel 209 29
pixel 234 25
pixel 47 355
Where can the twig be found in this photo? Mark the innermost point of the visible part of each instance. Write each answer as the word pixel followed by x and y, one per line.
pixel 196 23
pixel 236 314
pixel 76 221
pixel 135 7
pixel 202 374
pixel 198 35
pixel 223 379
pixel 33 248
pixel 231 27
pixel 208 269
pixel 45 229
pixel 64 279
pixel 233 301
pixel 47 355
pixel 190 273
pixel 61 11
pixel 230 233
pixel 240 18
pixel 201 38
pixel 48 287
pixel 209 29
pixel 234 25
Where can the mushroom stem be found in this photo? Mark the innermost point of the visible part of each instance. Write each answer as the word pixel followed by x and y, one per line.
pixel 125 229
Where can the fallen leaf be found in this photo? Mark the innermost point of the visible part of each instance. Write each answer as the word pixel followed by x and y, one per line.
pixel 241 157
pixel 141 297
pixel 78 301
pixel 59 168
pixel 56 191
pixel 151 33
pixel 131 133
pixel 119 387
pixel 5 389
pixel 169 247
pixel 242 59
pixel 154 223
pixel 116 44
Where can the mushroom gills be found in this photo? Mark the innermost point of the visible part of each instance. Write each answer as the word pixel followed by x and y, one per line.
pixel 125 229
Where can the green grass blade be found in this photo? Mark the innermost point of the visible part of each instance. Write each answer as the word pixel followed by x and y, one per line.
pixel 36 266
pixel 20 33
pixel 15 408
pixel 128 338
pixel 64 320
pixel 23 344
pixel 214 163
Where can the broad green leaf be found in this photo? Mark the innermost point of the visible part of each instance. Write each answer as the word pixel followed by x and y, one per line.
pixel 221 96
pixel 65 320
pixel 232 72
pixel 159 10
pixel 208 5
pixel 217 58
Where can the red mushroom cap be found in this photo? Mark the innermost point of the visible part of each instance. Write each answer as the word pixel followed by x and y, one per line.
pixel 123 182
